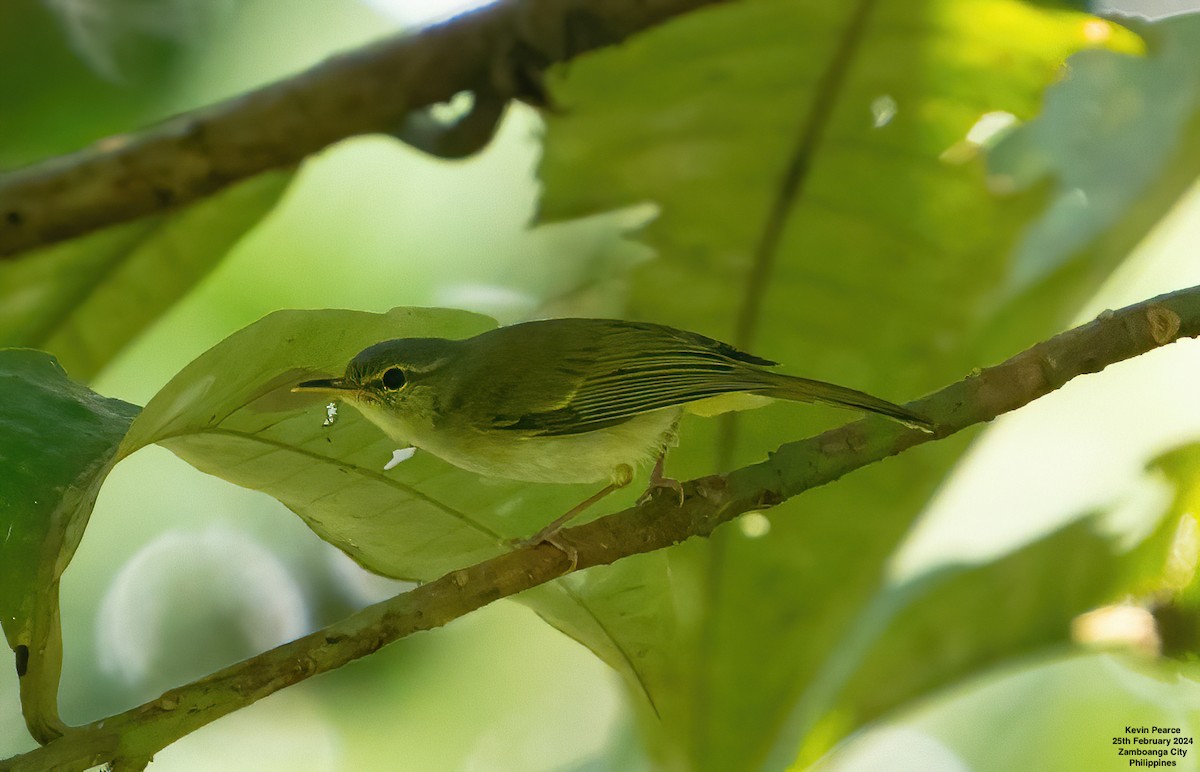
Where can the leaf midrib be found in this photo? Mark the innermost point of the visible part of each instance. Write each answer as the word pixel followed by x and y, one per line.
pixel 790 190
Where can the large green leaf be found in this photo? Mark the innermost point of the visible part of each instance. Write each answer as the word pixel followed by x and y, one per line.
pixel 1017 717
pixel 1120 138
pixel 935 629
pixel 1085 157
pixel 623 619
pixel 231 413
pixel 85 299
pixel 930 631
pixel 824 204
pixel 57 442
pixel 1064 254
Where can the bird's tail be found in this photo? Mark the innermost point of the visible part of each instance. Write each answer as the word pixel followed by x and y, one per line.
pixel 805 390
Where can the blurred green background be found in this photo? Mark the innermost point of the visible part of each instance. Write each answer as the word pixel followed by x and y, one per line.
pixel 180 573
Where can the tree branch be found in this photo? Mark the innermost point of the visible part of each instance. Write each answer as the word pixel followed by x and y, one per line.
pixel 134 736
pixel 499 52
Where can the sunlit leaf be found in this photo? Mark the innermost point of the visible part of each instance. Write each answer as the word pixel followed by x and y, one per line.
pixel 825 204
pixel 1119 135
pixel 85 299
pixel 57 442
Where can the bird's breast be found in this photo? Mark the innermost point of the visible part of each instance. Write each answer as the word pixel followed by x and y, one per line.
pixel 577 458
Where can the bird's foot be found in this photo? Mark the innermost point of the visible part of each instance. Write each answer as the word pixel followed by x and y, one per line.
pixel 659 483
pixel 549 536
pixel 550 533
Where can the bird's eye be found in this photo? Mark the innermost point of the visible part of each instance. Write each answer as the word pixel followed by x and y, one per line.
pixel 393 379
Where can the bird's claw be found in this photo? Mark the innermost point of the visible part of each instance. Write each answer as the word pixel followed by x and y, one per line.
pixel 548 537
pixel 659 484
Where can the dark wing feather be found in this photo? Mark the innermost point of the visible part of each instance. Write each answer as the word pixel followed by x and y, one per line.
pixel 621 370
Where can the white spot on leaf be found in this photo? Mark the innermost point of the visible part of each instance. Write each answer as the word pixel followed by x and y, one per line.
pixel 989 126
pixel 399 455
pixel 983 134
pixel 331 412
pixel 883 110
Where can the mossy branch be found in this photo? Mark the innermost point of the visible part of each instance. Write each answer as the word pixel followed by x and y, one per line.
pixel 133 737
pixel 498 53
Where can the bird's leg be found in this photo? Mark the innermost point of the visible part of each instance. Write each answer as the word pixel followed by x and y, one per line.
pixel 659 480
pixel 623 476
pixel 570 514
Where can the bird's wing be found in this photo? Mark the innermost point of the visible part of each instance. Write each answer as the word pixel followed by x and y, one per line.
pixel 633 369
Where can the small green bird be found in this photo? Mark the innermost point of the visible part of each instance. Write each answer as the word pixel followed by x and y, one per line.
pixel 565 400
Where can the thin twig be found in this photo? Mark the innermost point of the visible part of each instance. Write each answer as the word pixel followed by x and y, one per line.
pixel 135 735
pixel 499 52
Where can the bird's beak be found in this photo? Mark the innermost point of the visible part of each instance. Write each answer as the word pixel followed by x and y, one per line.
pixel 327 386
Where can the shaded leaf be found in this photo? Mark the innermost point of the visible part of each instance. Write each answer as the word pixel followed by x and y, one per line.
pixel 933 630
pixel 621 618
pixel 1017 718
pixel 55 103
pixel 231 413
pixel 956 621
pixel 57 442
pixel 120 37
pixel 85 299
